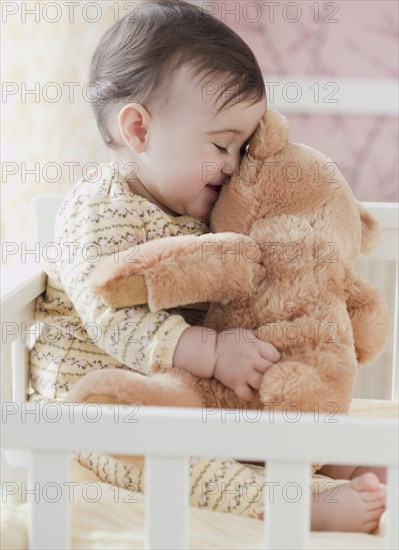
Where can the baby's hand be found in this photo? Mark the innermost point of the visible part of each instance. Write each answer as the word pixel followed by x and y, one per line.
pixel 242 360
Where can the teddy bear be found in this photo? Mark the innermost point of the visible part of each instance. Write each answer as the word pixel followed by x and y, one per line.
pixel 279 261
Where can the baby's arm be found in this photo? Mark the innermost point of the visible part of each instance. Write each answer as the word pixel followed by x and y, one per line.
pixel 133 336
pixel 136 337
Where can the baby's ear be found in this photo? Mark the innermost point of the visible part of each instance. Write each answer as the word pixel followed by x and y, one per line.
pixel 270 137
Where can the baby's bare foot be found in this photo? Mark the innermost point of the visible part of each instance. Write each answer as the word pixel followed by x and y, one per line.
pixel 379 471
pixel 354 506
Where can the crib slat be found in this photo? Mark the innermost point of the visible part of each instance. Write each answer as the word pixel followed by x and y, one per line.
pixel 392 505
pixel 395 355
pixel 49 520
pixel 20 368
pixel 287 483
pixel 166 502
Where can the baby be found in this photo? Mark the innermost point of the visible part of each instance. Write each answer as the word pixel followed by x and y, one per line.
pixel 178 96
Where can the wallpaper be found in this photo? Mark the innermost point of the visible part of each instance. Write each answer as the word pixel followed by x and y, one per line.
pixel 49 133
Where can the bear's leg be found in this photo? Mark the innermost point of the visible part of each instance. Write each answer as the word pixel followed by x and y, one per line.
pixel 293 385
pixel 164 389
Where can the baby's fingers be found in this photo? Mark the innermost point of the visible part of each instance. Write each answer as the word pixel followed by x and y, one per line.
pixel 268 351
pixel 254 379
pixel 262 366
pixel 245 393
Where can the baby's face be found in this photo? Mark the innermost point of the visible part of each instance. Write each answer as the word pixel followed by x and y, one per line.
pixel 189 148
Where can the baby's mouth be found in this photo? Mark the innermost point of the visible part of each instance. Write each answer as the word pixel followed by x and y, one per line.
pixel 216 188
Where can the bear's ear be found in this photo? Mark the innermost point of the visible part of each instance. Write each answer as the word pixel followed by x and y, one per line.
pixel 370 230
pixel 270 137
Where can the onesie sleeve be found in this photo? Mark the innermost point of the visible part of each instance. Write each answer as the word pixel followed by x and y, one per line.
pixel 89 226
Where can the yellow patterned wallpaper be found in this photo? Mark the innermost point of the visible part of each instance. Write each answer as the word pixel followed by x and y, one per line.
pixel 48 130
pixel 49 135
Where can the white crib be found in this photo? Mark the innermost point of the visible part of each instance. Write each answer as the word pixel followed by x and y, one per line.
pixel 168 436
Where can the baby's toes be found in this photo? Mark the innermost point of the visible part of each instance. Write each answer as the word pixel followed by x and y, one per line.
pixel 378 496
pixel 371 525
pixel 365 482
pixel 374 514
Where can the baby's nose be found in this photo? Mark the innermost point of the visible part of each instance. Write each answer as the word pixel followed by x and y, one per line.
pixel 231 166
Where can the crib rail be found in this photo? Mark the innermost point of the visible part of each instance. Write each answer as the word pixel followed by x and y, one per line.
pixel 167 436
pixel 21 283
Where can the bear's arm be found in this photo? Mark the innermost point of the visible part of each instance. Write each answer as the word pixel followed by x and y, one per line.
pixel 369 315
pixel 174 271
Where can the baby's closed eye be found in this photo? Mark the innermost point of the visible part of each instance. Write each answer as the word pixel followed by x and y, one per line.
pixel 220 148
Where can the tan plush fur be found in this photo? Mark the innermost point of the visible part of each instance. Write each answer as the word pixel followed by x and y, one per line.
pixel 286 232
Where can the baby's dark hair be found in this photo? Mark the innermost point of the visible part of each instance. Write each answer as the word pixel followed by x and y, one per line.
pixel 146 46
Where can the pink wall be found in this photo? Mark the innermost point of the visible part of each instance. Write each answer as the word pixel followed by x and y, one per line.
pixel 346 38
